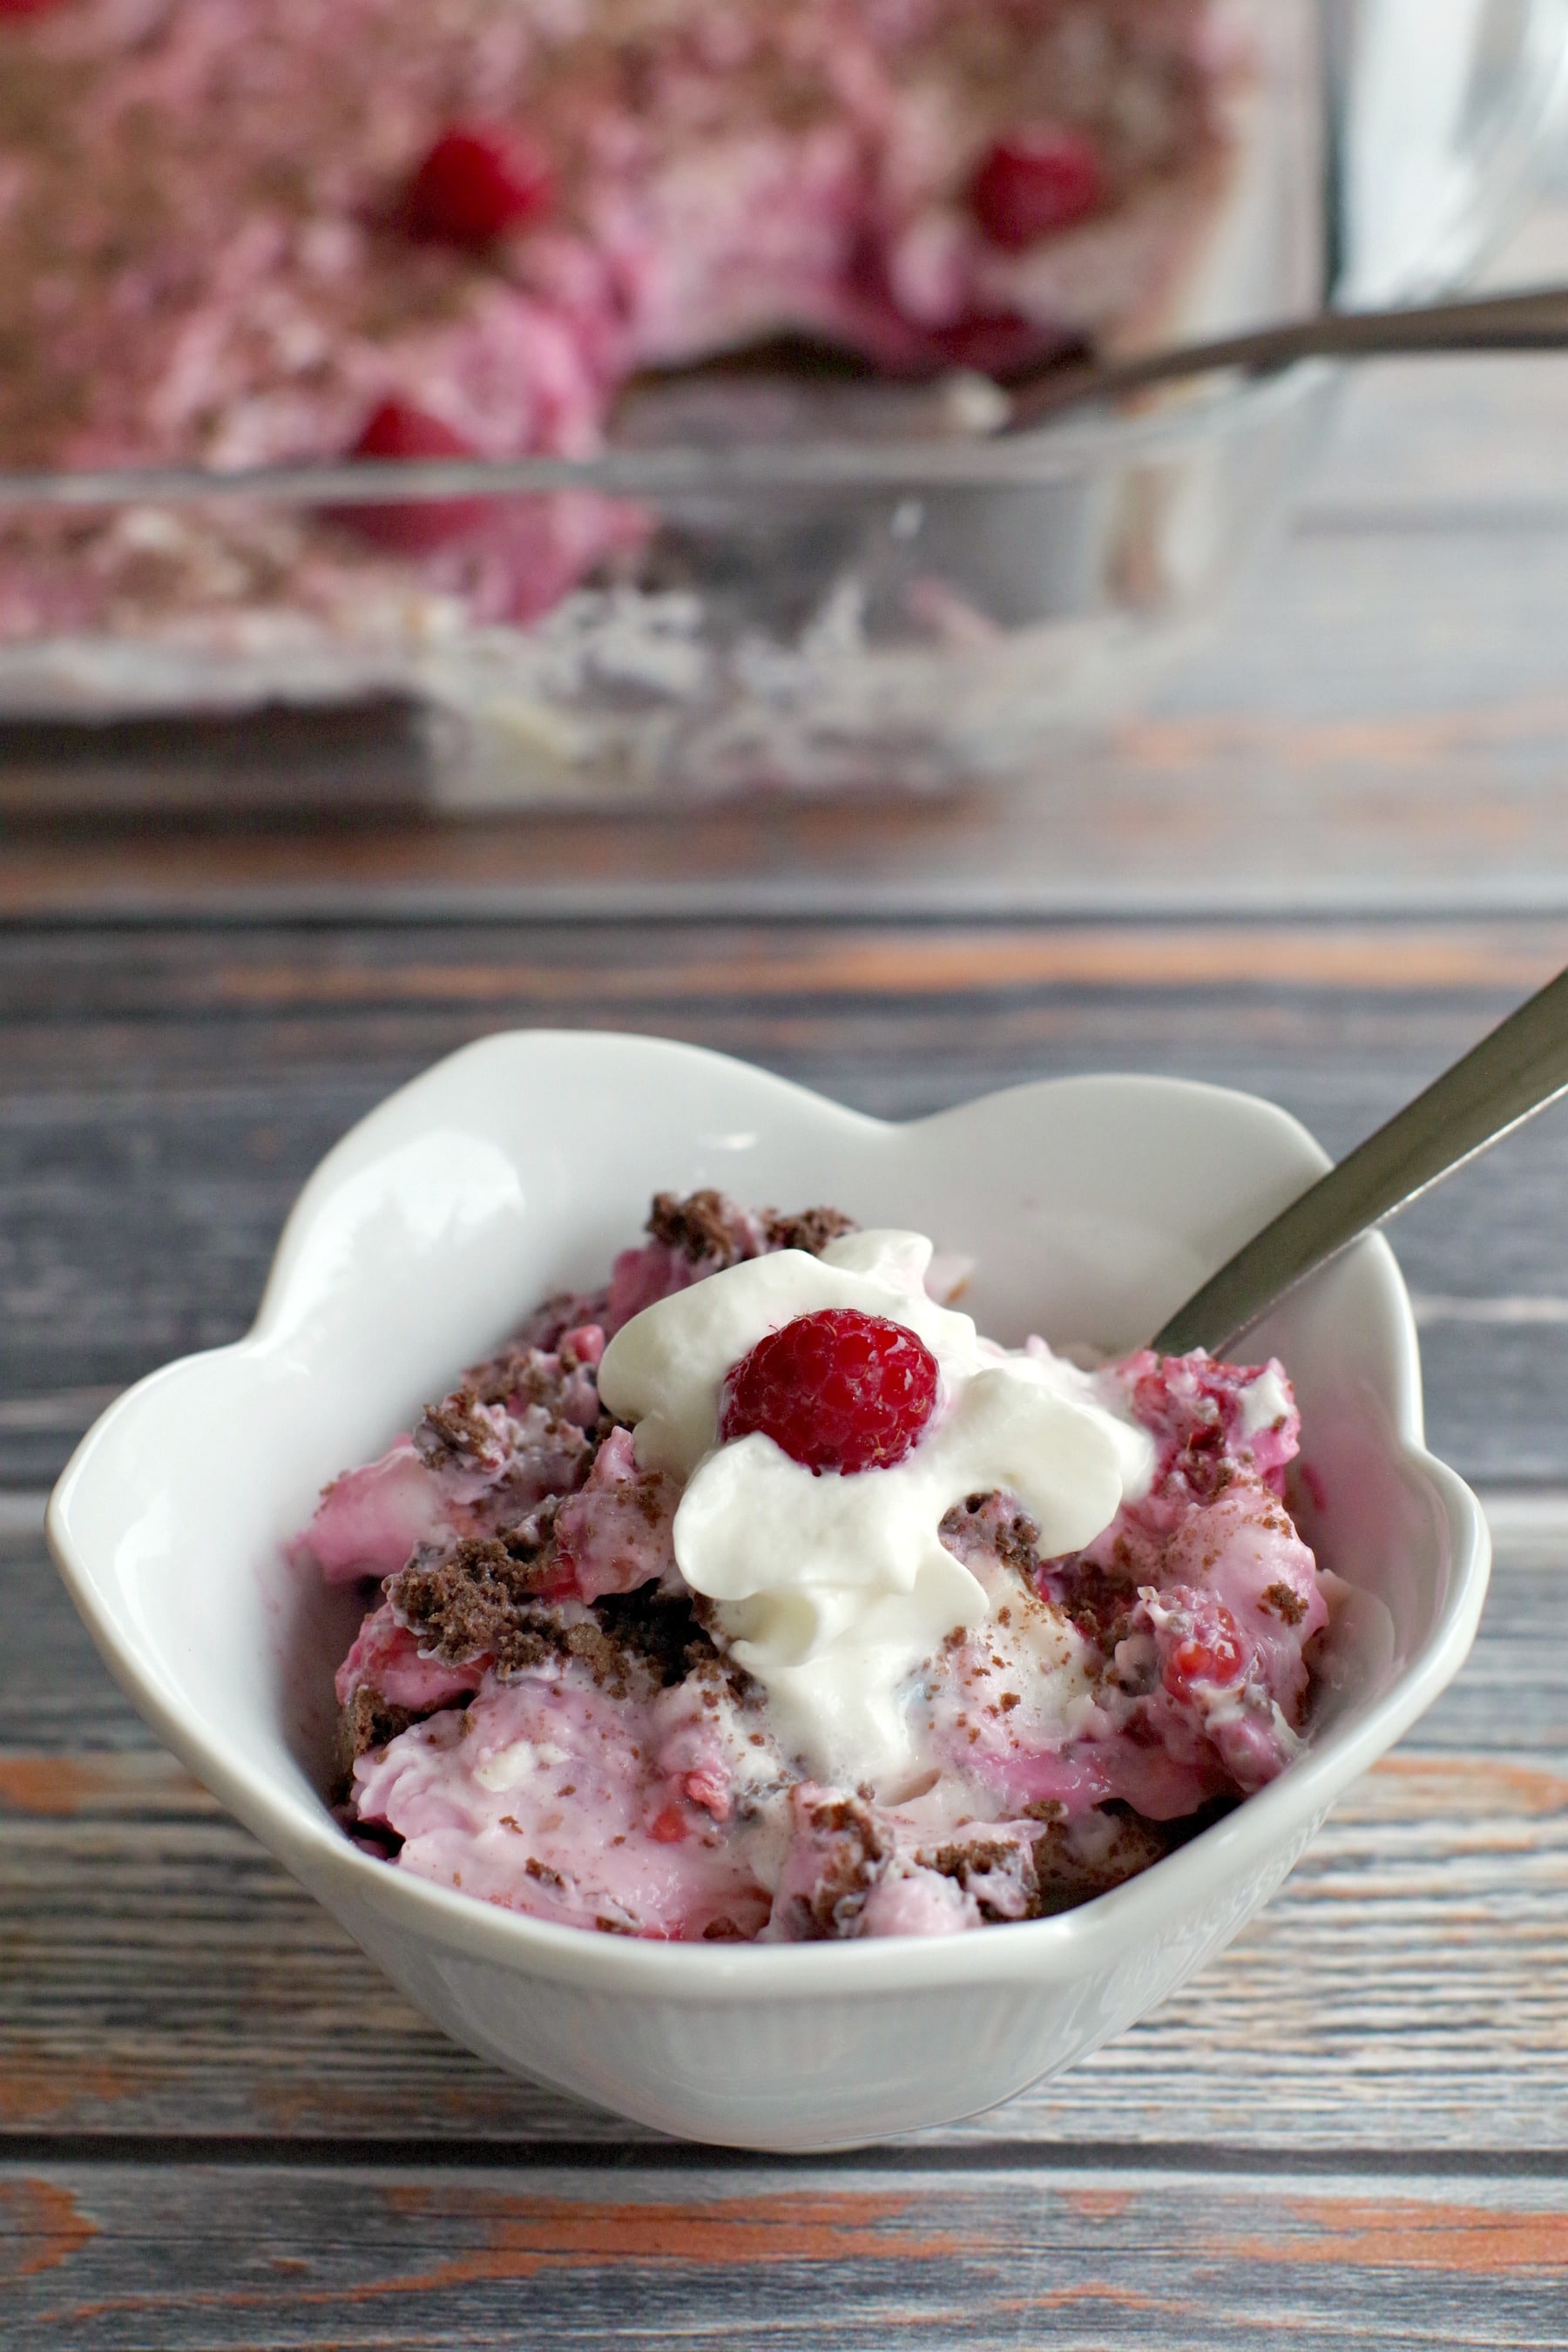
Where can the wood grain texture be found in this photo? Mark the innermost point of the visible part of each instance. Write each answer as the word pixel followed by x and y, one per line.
pixel 791 2257
pixel 168 1088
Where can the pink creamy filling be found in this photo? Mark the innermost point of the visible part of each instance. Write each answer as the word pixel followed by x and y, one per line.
pixel 542 1719
pixel 210 256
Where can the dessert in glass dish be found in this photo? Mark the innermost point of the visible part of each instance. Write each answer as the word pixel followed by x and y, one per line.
pixel 472 234
pixel 755 1597
pixel 238 250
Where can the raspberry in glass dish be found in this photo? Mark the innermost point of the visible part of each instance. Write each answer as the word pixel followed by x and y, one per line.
pixel 756 1596
pixel 241 252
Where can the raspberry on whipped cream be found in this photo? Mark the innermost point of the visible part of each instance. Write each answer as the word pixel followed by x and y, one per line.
pixel 924 1634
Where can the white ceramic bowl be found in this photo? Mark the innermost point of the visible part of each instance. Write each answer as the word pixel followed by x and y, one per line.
pixel 1092 1206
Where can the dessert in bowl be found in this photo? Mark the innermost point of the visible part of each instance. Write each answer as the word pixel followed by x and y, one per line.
pixel 1090 1208
pixel 756 1596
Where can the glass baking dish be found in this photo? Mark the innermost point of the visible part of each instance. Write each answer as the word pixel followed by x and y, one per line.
pixel 808 586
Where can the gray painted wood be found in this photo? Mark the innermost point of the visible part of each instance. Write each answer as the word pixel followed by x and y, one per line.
pixel 167 1089
pixel 1179 2259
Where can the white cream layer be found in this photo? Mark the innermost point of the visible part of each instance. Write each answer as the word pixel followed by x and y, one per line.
pixel 832 1590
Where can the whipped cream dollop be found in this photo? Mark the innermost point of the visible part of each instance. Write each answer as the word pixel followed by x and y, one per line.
pixel 832 1588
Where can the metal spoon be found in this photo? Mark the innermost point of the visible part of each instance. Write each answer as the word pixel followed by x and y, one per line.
pixel 1533 322
pixel 1500 1083
pixel 794 389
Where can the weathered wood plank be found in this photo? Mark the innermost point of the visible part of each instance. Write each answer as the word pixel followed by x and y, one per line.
pixel 166 1091
pixel 110 2257
pixel 1408 1989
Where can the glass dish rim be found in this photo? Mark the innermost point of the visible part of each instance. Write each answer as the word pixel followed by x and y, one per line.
pixel 1059 451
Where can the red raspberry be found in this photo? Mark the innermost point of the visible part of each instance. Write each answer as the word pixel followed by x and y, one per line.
pixel 1034 182
pixel 1003 343
pixel 837 1391
pixel 397 429
pixel 475 185
pixel 1211 1652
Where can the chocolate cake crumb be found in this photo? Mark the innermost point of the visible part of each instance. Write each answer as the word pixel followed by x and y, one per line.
pixel 1065 1874
pixel 367 1722
pixel 986 1525
pixel 704 1228
pixel 590 1644
pixel 851 1867
pixel 661 1630
pixel 453 1435
pixel 1098 1605
pixel 997 1873
pixel 475 1599
pixel 480 1604
pixel 1284 1602
pixel 534 1375
pixel 961 1861
pixel 811 1231
pixel 376 1838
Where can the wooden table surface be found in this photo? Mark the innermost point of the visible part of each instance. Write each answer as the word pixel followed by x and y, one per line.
pixel 1319 863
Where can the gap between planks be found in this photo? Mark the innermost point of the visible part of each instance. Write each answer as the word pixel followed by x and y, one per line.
pixel 935 2152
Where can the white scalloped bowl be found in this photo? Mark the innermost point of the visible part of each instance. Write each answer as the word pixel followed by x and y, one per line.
pixel 1092 1206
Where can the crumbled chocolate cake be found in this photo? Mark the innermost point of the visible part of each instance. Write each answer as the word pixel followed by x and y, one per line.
pixel 998 1873
pixel 515 1371
pixel 854 1854
pixel 704 1227
pixel 991 1524
pixel 480 1601
pixel 811 1231
pixel 1073 1860
pixel 367 1722
pixel 1281 1602
pixel 454 1435
pixel 1101 1606
pixel 663 1629
pixel 476 1599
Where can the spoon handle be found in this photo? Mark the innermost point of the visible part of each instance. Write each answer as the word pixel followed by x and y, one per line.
pixel 1504 1080
pixel 1536 320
